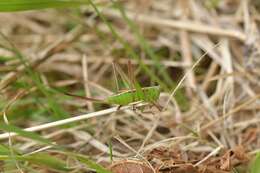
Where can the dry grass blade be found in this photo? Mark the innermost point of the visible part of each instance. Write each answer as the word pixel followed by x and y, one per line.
pixel 69 120
pixel 181 25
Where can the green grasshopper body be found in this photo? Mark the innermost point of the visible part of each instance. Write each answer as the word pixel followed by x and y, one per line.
pixel 136 94
pixel 148 94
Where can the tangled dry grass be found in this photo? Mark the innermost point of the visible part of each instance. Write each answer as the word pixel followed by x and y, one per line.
pixel 217 132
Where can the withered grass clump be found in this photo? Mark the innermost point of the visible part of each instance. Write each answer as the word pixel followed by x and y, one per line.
pixel 209 125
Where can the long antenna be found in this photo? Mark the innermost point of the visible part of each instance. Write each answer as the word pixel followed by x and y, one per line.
pixel 130 74
pixel 85 98
pixel 185 75
pixel 123 76
pixel 115 76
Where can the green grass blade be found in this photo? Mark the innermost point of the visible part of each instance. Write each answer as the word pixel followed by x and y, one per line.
pixel 50 162
pixel 22 5
pixel 91 164
pixel 255 166
pixel 21 132
pixel 110 151
pixel 4 150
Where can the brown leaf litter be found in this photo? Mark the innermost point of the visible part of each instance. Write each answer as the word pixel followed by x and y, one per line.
pixel 173 160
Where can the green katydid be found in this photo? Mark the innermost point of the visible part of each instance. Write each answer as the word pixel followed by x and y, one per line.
pixel 136 93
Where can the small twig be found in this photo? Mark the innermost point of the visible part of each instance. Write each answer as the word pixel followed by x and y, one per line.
pixel 97 60
pixel 85 77
pixel 186 48
pixel 161 142
pixel 214 152
pixel 38 150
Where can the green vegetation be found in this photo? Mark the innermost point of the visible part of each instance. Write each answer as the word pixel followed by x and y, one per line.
pixel 23 5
